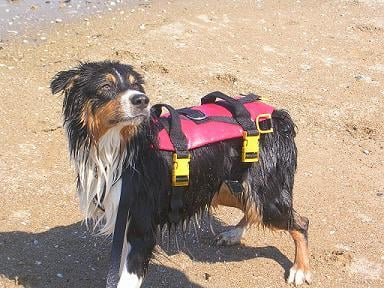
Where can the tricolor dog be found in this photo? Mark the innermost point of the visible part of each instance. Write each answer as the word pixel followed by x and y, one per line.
pixel 168 167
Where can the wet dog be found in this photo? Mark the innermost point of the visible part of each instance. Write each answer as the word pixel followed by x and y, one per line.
pixel 112 140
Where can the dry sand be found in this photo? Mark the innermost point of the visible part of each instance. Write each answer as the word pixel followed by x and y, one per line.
pixel 321 60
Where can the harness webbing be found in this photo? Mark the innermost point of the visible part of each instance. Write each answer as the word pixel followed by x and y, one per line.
pixel 200 118
pixel 118 236
pixel 176 135
pixel 178 140
pixel 239 112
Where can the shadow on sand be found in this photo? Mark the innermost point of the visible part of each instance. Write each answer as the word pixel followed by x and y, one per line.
pixel 69 256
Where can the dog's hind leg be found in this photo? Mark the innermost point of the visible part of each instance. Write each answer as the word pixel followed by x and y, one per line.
pixel 300 271
pixel 297 226
pixel 278 154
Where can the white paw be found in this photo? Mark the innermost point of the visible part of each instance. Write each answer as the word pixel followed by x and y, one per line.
pixel 230 237
pixel 299 277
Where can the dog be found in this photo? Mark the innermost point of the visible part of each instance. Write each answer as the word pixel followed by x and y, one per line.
pixel 112 140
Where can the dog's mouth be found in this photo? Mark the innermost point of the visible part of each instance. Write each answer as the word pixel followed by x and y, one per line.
pixel 134 119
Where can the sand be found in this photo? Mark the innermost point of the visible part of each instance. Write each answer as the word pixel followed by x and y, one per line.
pixel 321 60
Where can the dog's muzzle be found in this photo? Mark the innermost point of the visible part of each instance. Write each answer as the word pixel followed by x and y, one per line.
pixel 139 100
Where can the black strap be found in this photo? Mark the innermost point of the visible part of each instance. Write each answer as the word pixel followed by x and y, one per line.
pixel 195 115
pixel 164 122
pixel 176 134
pixel 179 141
pixel 234 186
pixel 176 204
pixel 224 119
pixel 247 98
pixel 118 237
pixel 199 117
pixel 239 112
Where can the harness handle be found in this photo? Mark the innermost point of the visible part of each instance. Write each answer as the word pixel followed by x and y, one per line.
pixel 176 134
pixel 236 107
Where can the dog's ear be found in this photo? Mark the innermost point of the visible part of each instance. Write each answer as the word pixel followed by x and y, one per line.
pixel 64 81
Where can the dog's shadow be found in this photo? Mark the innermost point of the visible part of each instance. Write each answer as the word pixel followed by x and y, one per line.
pixel 199 244
pixel 69 256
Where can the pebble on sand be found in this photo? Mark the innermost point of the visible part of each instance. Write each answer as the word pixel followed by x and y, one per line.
pixel 207 276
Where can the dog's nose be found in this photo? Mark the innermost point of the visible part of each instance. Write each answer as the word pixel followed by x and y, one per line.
pixel 140 100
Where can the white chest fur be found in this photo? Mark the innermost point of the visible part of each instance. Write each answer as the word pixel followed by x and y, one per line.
pixel 99 171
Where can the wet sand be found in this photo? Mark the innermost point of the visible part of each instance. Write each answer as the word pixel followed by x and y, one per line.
pixel 27 18
pixel 323 61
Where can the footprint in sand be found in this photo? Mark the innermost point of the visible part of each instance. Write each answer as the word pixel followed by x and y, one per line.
pixel 367 269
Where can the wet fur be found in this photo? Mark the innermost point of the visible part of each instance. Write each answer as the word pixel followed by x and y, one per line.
pixel 146 172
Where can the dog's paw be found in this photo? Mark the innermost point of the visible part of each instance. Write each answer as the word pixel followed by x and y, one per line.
pixel 299 277
pixel 230 237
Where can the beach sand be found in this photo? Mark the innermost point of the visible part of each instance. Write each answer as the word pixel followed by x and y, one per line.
pixel 321 60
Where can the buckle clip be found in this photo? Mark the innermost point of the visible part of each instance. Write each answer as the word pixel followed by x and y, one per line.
pixel 266 117
pixel 180 170
pixel 250 150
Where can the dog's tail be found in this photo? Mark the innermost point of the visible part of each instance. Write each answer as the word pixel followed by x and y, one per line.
pixel 273 183
pixel 278 150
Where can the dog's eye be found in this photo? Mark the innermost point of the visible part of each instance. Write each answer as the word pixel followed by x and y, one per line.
pixel 106 87
pixel 134 85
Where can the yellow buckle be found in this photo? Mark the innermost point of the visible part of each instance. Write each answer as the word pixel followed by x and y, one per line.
pixel 250 150
pixel 180 170
pixel 265 116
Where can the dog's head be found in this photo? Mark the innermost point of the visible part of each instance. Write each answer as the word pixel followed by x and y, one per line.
pixel 99 96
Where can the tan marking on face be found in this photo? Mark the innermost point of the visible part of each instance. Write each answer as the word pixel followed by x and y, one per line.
pixel 111 78
pixel 131 79
pixel 99 122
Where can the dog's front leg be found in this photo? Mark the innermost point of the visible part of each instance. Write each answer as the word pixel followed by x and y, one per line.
pixel 139 246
